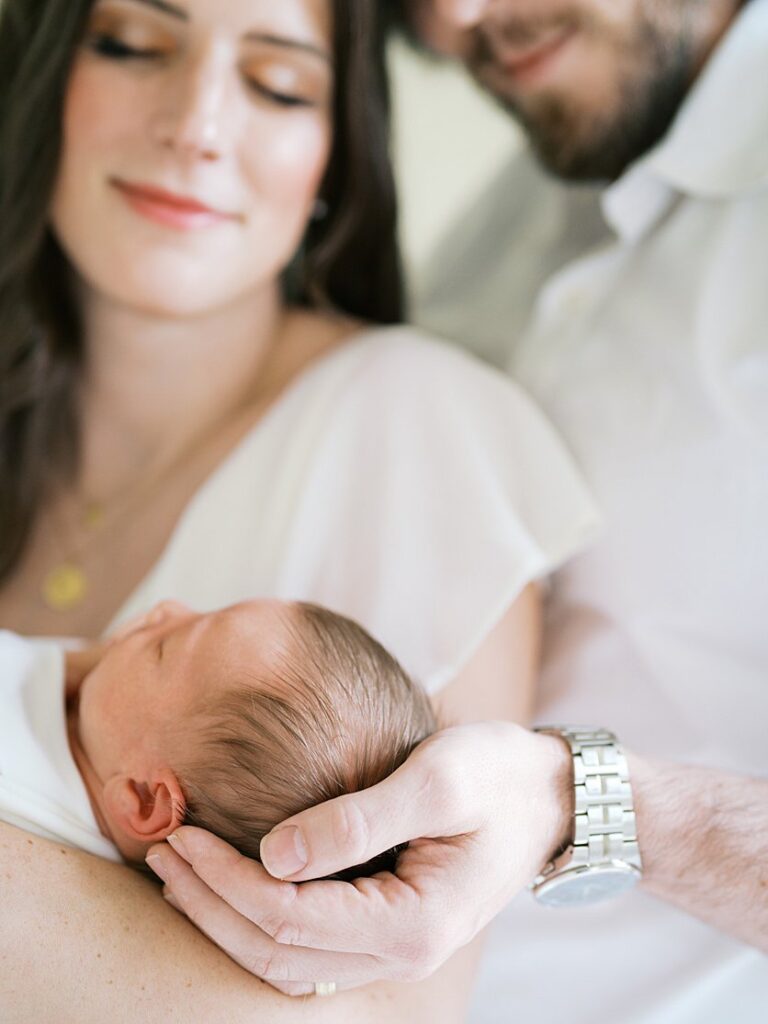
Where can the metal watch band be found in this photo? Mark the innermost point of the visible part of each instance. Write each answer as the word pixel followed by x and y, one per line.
pixel 605 830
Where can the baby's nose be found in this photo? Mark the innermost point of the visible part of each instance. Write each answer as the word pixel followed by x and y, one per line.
pixel 165 610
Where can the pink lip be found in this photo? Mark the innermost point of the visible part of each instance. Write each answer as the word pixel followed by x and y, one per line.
pixel 526 63
pixel 167 208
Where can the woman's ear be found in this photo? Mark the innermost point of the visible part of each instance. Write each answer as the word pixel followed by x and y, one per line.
pixel 144 812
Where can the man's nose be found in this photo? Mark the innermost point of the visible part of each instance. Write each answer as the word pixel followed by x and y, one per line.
pixel 461 14
pixel 192 117
pixel 445 25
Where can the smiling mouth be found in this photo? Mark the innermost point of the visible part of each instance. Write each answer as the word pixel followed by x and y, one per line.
pixel 525 63
pixel 169 209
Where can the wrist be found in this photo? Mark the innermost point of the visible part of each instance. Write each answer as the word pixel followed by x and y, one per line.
pixel 665 814
pixel 557 768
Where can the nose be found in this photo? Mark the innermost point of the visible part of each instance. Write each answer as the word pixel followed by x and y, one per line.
pixel 161 612
pixel 444 25
pixel 166 610
pixel 191 119
pixel 461 14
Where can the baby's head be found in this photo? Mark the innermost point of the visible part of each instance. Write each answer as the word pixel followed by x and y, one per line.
pixel 237 719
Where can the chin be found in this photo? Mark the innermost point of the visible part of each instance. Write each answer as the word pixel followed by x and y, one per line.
pixel 169 287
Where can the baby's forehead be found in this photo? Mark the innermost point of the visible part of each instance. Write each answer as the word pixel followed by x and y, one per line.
pixel 258 628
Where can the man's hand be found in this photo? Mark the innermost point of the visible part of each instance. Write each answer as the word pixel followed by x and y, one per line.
pixel 483 807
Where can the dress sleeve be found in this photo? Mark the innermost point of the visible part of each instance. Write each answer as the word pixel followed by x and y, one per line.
pixel 436 492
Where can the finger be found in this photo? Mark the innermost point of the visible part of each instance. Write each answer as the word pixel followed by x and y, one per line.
pixel 304 988
pixel 284 910
pixel 414 802
pixel 294 988
pixel 381 915
pixel 288 988
pixel 247 944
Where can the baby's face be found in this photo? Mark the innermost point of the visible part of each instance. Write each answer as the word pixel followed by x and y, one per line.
pixel 154 677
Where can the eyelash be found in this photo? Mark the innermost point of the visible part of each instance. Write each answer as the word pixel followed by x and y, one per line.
pixel 113 49
pixel 282 99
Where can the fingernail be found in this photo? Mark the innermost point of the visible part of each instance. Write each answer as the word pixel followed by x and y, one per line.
pixel 155 862
pixel 177 843
pixel 284 852
pixel 170 898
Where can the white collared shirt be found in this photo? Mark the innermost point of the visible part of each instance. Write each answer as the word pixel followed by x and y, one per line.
pixel 639 319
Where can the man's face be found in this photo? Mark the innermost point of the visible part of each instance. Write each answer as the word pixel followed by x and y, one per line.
pixel 595 83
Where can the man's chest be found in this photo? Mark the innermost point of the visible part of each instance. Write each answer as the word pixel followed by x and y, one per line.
pixel 652 361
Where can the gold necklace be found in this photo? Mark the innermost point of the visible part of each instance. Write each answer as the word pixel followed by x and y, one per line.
pixel 65 586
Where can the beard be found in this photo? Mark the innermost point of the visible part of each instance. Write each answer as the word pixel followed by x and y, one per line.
pixel 655 61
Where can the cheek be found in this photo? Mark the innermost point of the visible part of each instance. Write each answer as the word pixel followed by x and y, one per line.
pixel 100 115
pixel 94 717
pixel 101 111
pixel 284 166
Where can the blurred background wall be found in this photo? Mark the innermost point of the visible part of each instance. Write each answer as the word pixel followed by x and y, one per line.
pixel 449 142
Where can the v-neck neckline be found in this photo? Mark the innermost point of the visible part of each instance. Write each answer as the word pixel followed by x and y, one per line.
pixel 314 368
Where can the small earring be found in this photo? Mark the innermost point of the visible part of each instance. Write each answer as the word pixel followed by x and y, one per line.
pixel 320 209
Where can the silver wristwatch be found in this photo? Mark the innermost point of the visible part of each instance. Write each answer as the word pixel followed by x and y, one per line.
pixel 604 858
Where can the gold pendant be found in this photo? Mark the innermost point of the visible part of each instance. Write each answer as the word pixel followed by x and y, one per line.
pixel 93 516
pixel 64 587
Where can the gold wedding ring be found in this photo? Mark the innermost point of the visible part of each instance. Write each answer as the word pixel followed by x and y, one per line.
pixel 325 988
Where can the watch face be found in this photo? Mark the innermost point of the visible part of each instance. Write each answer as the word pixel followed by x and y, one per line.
pixel 587 885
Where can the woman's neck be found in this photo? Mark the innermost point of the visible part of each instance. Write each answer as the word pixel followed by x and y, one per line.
pixel 155 387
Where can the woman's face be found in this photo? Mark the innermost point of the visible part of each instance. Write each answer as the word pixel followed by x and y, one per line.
pixel 196 134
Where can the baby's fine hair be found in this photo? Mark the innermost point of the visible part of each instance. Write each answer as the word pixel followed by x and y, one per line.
pixel 336 714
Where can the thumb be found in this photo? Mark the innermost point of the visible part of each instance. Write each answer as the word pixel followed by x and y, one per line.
pixel 349 830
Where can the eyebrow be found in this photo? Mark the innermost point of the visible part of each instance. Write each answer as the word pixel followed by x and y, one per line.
pixel 253 37
pixel 289 44
pixel 166 8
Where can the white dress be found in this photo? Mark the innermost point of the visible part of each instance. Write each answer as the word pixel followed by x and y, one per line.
pixel 397 481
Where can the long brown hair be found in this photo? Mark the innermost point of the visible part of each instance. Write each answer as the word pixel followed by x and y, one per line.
pixel 349 258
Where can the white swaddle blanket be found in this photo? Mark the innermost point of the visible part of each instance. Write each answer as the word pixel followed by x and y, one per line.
pixel 41 790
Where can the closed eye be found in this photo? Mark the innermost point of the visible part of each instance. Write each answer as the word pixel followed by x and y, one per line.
pixel 108 46
pixel 280 98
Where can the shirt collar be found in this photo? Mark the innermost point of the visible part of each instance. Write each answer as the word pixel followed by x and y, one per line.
pixel 717 148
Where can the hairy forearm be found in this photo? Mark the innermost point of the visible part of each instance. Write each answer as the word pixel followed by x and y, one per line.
pixel 704 841
pixel 83 941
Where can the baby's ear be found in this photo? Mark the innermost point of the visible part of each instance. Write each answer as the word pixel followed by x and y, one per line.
pixel 145 812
